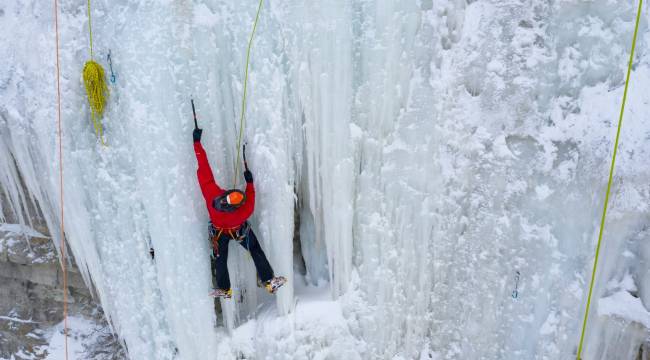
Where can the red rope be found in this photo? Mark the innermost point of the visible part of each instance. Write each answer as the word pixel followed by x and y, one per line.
pixel 62 244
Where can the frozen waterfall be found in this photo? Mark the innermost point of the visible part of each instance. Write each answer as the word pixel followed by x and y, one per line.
pixel 416 163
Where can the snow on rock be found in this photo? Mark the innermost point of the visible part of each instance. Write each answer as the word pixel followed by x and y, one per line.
pixel 19 229
pixel 84 341
pixel 626 306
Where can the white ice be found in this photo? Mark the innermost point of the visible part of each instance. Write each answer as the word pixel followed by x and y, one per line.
pixel 431 151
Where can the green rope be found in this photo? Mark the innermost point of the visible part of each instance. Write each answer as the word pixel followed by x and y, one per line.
pixel 243 100
pixel 90 32
pixel 609 186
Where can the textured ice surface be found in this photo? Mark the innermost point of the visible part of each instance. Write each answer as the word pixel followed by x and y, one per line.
pixel 432 149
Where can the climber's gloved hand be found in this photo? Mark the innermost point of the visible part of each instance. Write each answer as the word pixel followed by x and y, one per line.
pixel 197 134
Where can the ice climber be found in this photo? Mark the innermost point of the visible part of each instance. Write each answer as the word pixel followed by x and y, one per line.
pixel 229 211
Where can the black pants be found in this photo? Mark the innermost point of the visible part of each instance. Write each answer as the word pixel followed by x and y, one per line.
pixel 250 243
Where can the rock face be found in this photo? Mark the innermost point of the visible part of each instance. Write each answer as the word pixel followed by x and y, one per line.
pixel 31 295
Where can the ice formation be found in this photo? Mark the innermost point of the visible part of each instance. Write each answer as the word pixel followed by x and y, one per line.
pixel 420 153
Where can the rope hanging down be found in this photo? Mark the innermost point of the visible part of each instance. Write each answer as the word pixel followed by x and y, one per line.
pixel 90 32
pixel 62 244
pixel 609 185
pixel 96 88
pixel 243 100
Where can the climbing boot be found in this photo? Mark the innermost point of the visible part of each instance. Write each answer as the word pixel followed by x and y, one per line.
pixel 274 284
pixel 221 293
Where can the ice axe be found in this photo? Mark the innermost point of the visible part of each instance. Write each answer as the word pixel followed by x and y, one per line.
pixel 244 154
pixel 196 126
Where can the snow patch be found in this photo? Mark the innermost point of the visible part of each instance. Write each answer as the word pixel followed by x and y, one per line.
pixel 622 304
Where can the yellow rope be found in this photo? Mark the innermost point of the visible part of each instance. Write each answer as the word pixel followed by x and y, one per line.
pixel 243 100
pixel 90 32
pixel 609 185
pixel 96 87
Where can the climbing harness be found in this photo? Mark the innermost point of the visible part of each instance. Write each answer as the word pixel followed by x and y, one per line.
pixel 515 292
pixel 243 101
pixel 95 83
pixel 61 225
pixel 238 234
pixel 110 64
pixel 609 185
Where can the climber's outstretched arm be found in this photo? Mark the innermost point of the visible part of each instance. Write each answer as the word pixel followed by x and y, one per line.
pixel 209 187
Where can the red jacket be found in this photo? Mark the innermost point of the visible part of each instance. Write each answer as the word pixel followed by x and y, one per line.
pixel 210 190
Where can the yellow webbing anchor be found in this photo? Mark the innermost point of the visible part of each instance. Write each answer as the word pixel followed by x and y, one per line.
pixel 609 186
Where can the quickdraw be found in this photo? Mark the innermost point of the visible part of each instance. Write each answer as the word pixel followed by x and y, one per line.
pixel 110 65
pixel 515 292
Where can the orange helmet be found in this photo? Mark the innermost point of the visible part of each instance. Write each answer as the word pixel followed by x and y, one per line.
pixel 229 201
pixel 235 198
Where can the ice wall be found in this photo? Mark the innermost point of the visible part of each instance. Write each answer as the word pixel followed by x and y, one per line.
pixel 432 150
pixel 489 150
